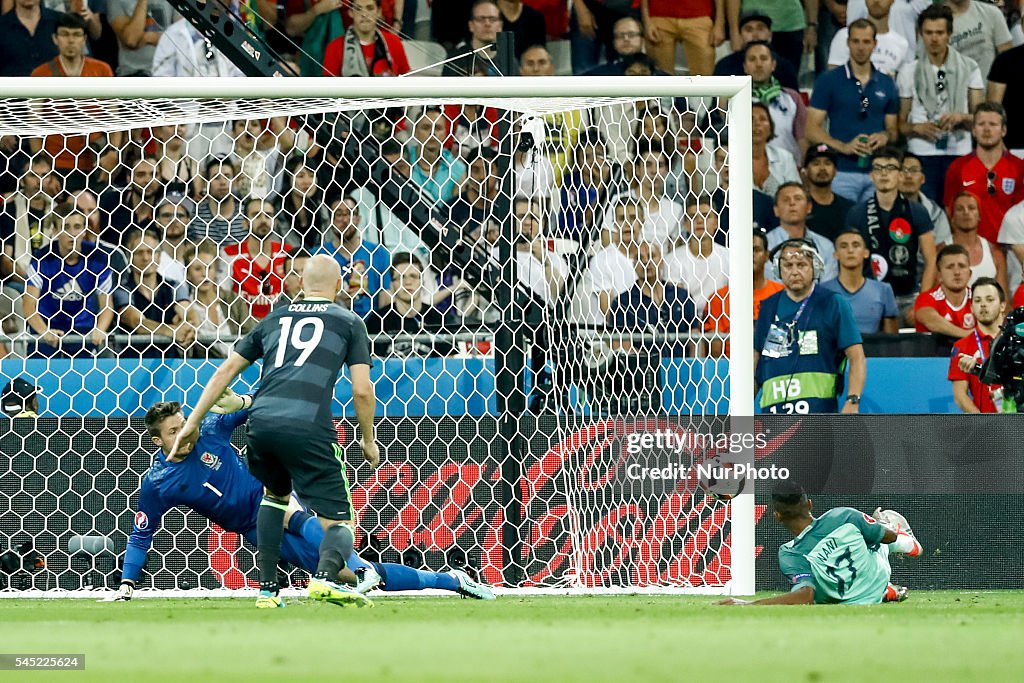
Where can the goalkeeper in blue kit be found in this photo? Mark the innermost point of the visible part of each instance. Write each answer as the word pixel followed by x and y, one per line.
pixel 841 557
pixel 213 480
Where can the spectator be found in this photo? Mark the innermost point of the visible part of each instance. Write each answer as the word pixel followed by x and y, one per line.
pixel 24 219
pixel 856 88
pixel 67 290
pixel 828 210
pixel 138 25
pixel 591 25
pixel 183 52
pixel 791 208
pixel 130 206
pixel 299 219
pixel 365 266
pixel 27 32
pixel 74 156
pixel 990 172
pixel 652 301
pixel 691 24
pixel 792 33
pixel 801 350
pixel 979 32
pixel 663 217
pixel 176 169
pixel 381 50
pixel 946 309
pixel 217 315
pixel 717 318
pixel 773 166
pixel 988 300
pixel 785 105
pixel 171 224
pixel 556 16
pixel 891 51
pixel 150 305
pixel 315 24
pixel 1004 88
pixel 525 23
pixel 484 24
pixel 895 231
pixel 590 180
pixel 542 271
pixel 764 205
pixel 902 17
pixel 295 265
pixel 256 265
pixel 536 61
pixel 755 25
pixel 449 20
pixel 613 269
pixel 408 310
pixel 20 398
pixel 628 39
pixel 872 302
pixel 986 259
pixel 259 152
pixel 698 265
pixel 911 181
pixel 217 215
pixel 938 92
pixel 475 202
pixel 433 168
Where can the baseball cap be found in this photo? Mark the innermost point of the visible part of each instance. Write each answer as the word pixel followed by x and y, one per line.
pixel 816 151
pixel 755 15
pixel 16 394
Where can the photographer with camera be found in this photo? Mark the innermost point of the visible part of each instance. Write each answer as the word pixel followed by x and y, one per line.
pixel 1001 364
pixel 972 396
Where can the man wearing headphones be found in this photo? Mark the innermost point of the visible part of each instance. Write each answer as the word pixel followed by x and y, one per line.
pixel 804 338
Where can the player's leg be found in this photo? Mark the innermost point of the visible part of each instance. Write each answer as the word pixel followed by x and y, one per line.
pixel 321 483
pixel 906 542
pixel 269 518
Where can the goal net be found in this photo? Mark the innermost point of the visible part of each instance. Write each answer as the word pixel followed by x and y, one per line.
pixel 544 266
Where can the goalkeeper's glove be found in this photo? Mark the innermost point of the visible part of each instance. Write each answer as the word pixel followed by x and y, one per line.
pixel 230 402
pixel 125 591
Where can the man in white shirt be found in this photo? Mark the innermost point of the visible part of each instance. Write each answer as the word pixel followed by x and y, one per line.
pixel 613 269
pixel 938 95
pixel 699 266
pixel 902 17
pixel 891 51
pixel 183 52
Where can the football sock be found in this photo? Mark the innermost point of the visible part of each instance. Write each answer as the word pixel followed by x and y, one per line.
pixel 336 546
pixel 398 577
pixel 269 531
pixel 906 544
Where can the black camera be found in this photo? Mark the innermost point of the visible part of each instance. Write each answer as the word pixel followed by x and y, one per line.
pixel 1005 363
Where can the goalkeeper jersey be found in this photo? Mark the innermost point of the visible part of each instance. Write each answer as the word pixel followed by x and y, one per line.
pixel 213 480
pixel 838 556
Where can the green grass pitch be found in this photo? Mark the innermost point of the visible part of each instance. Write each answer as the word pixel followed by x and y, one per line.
pixel 935 636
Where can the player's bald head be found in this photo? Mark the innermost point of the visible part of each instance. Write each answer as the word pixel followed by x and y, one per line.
pixel 321 274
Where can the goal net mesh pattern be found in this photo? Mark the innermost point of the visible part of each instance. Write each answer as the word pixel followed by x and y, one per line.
pixel 544 281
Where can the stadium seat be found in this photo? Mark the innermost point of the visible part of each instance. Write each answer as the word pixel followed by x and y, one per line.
pixel 560 56
pixel 423 54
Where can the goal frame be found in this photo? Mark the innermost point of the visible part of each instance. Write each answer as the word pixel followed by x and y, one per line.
pixel 735 90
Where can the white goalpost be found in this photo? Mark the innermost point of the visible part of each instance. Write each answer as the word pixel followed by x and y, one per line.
pixel 558 314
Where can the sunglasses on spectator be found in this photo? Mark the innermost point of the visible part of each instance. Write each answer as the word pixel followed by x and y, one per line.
pixel 885 168
pixel 179 214
pixel 626 35
pixel 940 83
pixel 991 183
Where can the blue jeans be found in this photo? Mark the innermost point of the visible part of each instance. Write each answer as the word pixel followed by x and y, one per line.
pixel 855 186
pixel 935 168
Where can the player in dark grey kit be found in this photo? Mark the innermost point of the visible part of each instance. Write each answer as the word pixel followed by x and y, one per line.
pixel 292 443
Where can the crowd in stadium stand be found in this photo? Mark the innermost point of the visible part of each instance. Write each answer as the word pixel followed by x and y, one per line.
pixel 885 131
